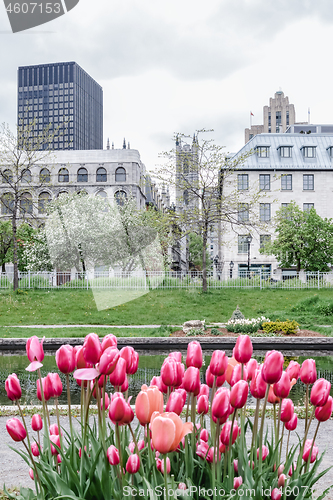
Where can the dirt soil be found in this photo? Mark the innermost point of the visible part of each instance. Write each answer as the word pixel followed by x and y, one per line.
pixel 224 333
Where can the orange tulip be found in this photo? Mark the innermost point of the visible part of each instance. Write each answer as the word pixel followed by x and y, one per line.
pixel 150 399
pixel 231 364
pixel 168 430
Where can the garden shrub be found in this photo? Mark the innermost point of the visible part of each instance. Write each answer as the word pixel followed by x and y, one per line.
pixel 215 331
pixel 246 325
pixel 288 327
pixel 237 314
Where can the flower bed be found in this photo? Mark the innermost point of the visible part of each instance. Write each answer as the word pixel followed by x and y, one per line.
pixel 202 455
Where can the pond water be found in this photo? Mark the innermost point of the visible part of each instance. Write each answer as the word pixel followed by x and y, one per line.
pixel 149 365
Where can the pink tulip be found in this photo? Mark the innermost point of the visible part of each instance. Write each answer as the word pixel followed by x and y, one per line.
pixel 323 413
pixel 129 415
pixel 237 482
pixel 175 403
pixel 52 385
pixel 108 360
pixel 308 371
pixel 133 464
pixel 258 385
pixel 204 436
pixel 54 430
pixel 191 381
pixel 307 449
pixel 13 388
pixel 218 363
pixel 131 446
pixel 219 381
pixel 251 367
pixel 31 474
pixel 236 466
pixel 132 359
pixel 202 449
pixel 169 372
pixel 237 374
pixel 210 455
pixel 282 387
pixel 183 394
pixel 282 480
pixel 168 430
pixel 92 348
pixel 34 349
pixel 292 469
pixel 36 422
pixel 47 389
pixel 225 433
pixel 221 403
pixel 238 394
pixel 194 355
pixel 293 370
pixel 273 367
pixel 167 464
pixel 271 396
pixel 124 387
pixel 204 390
pixel 65 359
pixel 287 410
pixel 159 384
pixel 243 349
pixel 80 361
pixel 35 449
pixel 320 392
pixel 231 365
pixel 118 376
pixel 55 439
pixel 148 400
pixel 182 486
pixel 117 408
pixel 203 405
pixel 276 494
pixel 292 423
pixel 109 341
pixel 59 459
pixel 106 400
pixel 265 452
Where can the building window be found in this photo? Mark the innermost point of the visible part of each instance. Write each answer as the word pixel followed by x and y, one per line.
pixel 264 240
pixel 26 176
pixel 44 175
pixel 120 197
pixel 101 175
pixel 120 174
pixel 265 212
pixel 63 175
pixel 307 207
pixel 284 205
pixel 243 245
pixel 308 182
pixel 264 182
pixel 43 200
pixel 287 118
pixel 26 203
pixel 330 151
pixel 82 175
pixel 7 203
pixel 7 175
pixel 243 182
pixel 309 151
pixel 263 151
pixel 243 212
pixel 102 194
pixel 287 182
pixel 285 151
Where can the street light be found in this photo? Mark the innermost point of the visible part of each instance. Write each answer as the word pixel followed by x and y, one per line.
pixel 231 266
pixel 248 239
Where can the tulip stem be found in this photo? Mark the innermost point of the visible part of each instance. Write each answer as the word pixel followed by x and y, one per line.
pixel 104 409
pixel 287 445
pixel 211 402
pixel 306 407
pixel 69 404
pixel 58 421
pixel 231 465
pixel 166 477
pixel 187 407
pixel 281 445
pixel 279 418
pixel 120 453
pixel 24 423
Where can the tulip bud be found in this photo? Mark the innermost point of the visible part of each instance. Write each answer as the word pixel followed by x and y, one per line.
pixel 282 387
pixel 287 410
pixel 276 494
pixel 292 423
pixel 109 341
pixel 231 365
pixel 320 392
pixel 251 367
pixel 118 376
pixel 108 360
pixel 194 355
pixel 31 474
pixel 59 459
pixel 282 480
pixel 236 466
pixel 106 401
pixel 204 436
pixel 148 400
pixel 131 446
pixel 258 385
pixel 225 433
pixel 159 384
pixel 52 385
pixel 218 363
pixel 323 413
pixel 237 374
pixel 47 392
pixel 280 470
pixel 203 405
pixel 202 449
pixel 35 449
pixel 191 381
pixel 221 403
pixel 80 361
pixel 133 464
pixel 117 408
pixel 34 349
pixel 293 370
pixel 238 394
pixel 65 359
pixel 237 482
pixel 271 396
pixel 307 449
pixel 210 455
pixel 182 486
pixel 265 452
pixel 168 465
pixel 55 439
pixel 175 403
pixel 36 422
pixel 13 388
pixel 92 348
pixel 273 367
pixel 243 349
pixel 219 381
pixel 308 371
pixel 132 359
pixel 54 430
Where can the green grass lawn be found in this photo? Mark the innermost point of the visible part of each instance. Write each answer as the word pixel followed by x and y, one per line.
pixel 165 307
pixel 12 332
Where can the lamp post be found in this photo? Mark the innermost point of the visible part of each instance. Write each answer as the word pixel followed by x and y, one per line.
pixel 248 239
pixel 231 266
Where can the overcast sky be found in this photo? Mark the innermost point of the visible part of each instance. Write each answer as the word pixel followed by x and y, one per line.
pixel 181 65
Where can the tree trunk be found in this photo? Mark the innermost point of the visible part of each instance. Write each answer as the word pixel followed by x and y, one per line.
pixel 3 268
pixel 204 268
pixel 15 263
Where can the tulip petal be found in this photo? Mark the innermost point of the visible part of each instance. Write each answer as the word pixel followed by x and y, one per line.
pixel 163 434
pixel 34 366
pixel 85 374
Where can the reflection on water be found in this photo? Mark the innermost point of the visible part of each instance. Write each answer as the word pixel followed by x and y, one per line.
pixel 148 367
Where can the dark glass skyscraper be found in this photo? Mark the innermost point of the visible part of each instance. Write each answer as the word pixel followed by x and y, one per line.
pixel 65 98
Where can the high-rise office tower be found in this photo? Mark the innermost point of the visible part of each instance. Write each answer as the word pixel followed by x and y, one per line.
pixel 63 97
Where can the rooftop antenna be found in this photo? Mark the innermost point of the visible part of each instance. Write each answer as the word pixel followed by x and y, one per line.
pixel 108 144
pixel 309 116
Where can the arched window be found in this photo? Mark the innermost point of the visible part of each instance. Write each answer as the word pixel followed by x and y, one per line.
pixel 43 201
pixel 82 175
pixel 101 174
pixel 83 192
pixel 62 193
pixel 44 175
pixel 7 203
pixel 120 174
pixel 120 197
pixel 26 203
pixel 63 175
pixel 102 194
pixel 26 176
pixel 7 175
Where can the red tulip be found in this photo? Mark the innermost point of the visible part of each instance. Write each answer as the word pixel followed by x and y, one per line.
pixel 237 482
pixel 225 433
pixel 34 349
pixel 221 403
pixel 238 394
pixel 177 356
pixel 292 423
pixel 203 405
pixel 133 464
pixel 219 381
pixel 150 399
pixel 265 452
pixel 258 385
pixel 323 413
pixel 218 363
pixel 320 392
pixel 13 388
pixel 52 385
pixel 65 359
pixel 175 403
pixel 308 371
pixel 293 370
pixel 35 449
pixel 194 355
pixel 204 390
pixel 109 341
pixel 16 429
pixel 276 494
pixel 36 422
pixel 117 408
pixel 204 436
pixel 307 449
pixel 118 376
pixel 273 367
pixel 55 439
pixel 169 372
pixel 237 374
pixel 287 410
pixel 191 381
pixel 108 360
pixel 159 384
pixel 243 349
pixel 113 455
pixel 167 431
pixel 282 387
pixel 132 359
pixel 251 367
pixel 92 348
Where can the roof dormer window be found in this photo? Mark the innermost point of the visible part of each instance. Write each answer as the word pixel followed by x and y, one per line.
pixel 262 151
pixel 330 151
pixel 285 151
pixel 309 151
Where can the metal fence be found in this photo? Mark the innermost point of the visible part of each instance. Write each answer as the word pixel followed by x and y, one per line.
pixel 138 280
